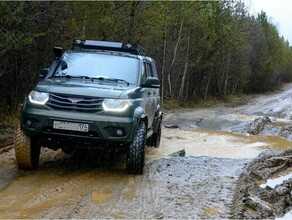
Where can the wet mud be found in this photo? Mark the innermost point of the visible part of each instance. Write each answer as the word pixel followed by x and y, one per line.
pixel 204 168
pixel 264 188
pixel 74 187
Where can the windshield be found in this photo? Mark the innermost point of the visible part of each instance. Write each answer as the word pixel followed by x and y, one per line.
pixel 95 65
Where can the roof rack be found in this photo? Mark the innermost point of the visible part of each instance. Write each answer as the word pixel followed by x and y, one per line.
pixel 111 46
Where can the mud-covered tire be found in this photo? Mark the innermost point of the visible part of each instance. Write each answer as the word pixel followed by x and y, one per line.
pixel 136 151
pixel 154 140
pixel 27 152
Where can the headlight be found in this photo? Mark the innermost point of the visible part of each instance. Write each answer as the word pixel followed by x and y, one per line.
pixel 116 105
pixel 39 98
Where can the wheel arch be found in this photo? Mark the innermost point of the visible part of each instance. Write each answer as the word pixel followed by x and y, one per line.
pixel 139 116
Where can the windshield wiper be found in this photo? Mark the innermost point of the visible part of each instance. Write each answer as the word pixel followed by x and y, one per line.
pixel 72 76
pixel 112 79
pixel 93 78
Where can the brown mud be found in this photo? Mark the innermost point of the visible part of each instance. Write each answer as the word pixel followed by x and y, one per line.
pixel 253 199
pixel 82 187
pixel 206 167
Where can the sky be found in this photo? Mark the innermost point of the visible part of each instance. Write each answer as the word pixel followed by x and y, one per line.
pixel 279 13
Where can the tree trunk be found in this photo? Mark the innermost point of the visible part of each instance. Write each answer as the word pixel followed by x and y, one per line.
pixel 173 61
pixel 221 79
pixel 163 64
pixel 84 26
pixel 207 88
pixel 182 85
pixel 235 86
pixel 226 75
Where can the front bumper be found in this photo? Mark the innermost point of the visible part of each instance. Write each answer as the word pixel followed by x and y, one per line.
pixel 102 127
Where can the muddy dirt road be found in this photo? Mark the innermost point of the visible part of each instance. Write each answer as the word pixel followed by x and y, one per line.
pixel 194 174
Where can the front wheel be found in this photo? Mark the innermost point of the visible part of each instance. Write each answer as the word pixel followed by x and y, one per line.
pixel 136 151
pixel 27 151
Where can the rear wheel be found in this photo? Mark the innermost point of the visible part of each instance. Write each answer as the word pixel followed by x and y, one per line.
pixel 27 151
pixel 136 151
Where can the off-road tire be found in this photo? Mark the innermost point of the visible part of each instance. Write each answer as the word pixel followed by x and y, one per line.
pixel 154 140
pixel 136 151
pixel 27 152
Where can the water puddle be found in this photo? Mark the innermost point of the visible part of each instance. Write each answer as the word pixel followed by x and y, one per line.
pixel 277 179
pixel 280 123
pixel 288 216
pixel 219 144
pixel 209 211
pixel 100 197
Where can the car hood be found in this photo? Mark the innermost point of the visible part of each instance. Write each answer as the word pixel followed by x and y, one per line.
pixel 86 87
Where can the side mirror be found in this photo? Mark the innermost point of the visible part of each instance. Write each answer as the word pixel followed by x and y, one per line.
pixel 44 72
pixel 58 51
pixel 151 82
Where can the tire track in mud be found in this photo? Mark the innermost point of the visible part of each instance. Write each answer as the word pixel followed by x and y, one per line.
pixel 252 201
pixel 102 201
pixel 174 187
pixel 58 190
pixel 125 197
pixel 64 189
pixel 195 187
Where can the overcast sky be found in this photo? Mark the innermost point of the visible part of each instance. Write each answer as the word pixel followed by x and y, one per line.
pixel 279 13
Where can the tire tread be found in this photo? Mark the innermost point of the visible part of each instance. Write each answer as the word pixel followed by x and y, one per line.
pixel 22 147
pixel 136 151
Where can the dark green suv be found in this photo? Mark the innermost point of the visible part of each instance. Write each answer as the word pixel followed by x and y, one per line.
pixel 98 95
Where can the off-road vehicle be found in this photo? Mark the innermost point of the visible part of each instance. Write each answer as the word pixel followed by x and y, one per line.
pixel 98 95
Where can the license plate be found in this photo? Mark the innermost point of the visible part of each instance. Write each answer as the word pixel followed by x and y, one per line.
pixel 70 126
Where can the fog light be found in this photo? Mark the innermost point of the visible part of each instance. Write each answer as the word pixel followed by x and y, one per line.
pixel 120 132
pixel 28 123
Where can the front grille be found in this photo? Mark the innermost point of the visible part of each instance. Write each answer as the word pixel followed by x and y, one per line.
pixel 75 103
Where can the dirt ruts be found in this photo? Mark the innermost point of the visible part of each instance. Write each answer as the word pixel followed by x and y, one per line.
pixel 253 201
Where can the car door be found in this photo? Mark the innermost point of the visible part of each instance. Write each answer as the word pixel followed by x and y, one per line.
pixel 149 93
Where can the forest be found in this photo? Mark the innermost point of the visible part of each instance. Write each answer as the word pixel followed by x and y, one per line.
pixel 203 49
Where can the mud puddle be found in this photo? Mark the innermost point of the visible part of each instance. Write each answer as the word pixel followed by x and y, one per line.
pixel 213 143
pixel 287 216
pixel 277 179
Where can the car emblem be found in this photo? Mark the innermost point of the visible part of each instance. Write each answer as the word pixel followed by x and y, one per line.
pixel 75 100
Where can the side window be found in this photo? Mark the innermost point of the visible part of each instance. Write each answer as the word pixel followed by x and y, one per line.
pixel 149 69
pixel 146 72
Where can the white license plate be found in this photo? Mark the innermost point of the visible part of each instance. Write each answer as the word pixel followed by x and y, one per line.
pixel 70 126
